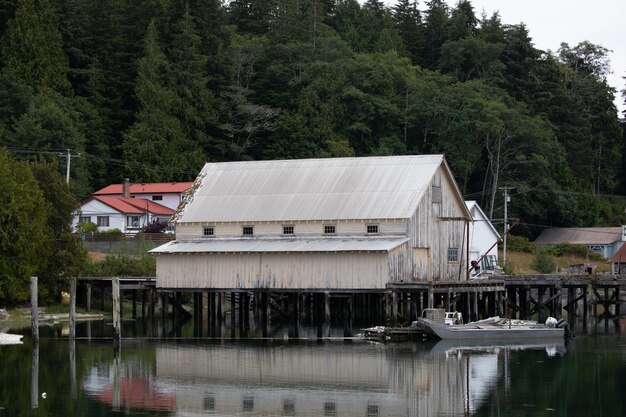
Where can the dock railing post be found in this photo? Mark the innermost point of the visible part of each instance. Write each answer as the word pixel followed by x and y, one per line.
pixel 72 308
pixel 117 319
pixel 34 309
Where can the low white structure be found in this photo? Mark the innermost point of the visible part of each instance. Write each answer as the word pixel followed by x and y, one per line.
pixel 483 238
pixel 333 224
pixel 604 240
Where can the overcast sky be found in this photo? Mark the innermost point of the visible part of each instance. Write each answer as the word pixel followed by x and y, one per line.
pixel 551 22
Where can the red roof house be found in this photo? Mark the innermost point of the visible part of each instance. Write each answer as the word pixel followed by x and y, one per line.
pixel 130 207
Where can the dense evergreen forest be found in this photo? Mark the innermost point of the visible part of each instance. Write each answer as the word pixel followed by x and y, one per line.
pixel 151 89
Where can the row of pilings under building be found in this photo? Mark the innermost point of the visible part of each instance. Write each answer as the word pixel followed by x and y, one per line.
pixel 240 311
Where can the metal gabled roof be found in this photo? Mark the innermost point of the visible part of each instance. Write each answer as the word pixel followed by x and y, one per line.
pixel 580 235
pixel 277 245
pixel 311 189
pixel 471 205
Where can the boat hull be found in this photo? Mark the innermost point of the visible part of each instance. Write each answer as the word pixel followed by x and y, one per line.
pixel 472 331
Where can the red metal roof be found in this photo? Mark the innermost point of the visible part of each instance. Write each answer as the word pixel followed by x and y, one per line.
pixel 134 205
pixel 147 188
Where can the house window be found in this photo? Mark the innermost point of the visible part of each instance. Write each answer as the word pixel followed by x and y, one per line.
pixel 287 230
pixel 157 197
pixel 329 229
pixel 453 254
pixel 208 231
pixel 372 229
pixel 133 221
pixel 103 221
pixel 289 407
pixel 437 197
pixel 330 409
pixel 372 410
pixel 248 230
pixel 84 219
pixel 248 403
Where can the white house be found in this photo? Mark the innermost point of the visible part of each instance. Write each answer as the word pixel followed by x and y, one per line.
pixel 129 215
pixel 483 239
pixel 130 207
pixel 335 224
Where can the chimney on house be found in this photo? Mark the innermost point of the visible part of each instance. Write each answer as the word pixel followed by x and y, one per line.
pixel 126 188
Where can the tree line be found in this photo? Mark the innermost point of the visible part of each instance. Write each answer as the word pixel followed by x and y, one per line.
pixel 152 89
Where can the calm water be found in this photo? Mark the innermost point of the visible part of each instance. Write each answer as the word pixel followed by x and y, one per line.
pixel 184 376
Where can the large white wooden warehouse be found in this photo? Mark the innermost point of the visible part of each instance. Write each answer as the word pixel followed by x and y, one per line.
pixel 318 224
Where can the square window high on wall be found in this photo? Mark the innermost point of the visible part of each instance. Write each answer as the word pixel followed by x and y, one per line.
pixel 208 231
pixel 288 230
pixel 453 254
pixel 247 230
pixel 329 229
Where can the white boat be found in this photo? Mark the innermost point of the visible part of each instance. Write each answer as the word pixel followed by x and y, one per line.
pixel 493 328
pixel 10 339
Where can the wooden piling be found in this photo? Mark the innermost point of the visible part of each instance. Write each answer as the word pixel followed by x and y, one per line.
pixel 72 308
pixel 394 308
pixel 327 307
pixel 117 319
pixel 220 307
pixel 88 298
pixel 232 314
pixel 34 309
pixel 134 298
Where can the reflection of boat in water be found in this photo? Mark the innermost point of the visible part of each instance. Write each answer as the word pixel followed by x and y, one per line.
pixel 493 328
pixel 458 346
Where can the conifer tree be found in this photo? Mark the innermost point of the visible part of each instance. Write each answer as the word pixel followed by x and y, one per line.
pixel 408 22
pixel 32 50
pixel 156 147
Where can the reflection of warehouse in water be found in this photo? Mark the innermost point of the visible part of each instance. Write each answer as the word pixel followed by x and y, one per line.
pixel 329 379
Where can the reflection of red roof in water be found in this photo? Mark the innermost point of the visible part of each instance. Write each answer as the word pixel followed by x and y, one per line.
pixel 136 393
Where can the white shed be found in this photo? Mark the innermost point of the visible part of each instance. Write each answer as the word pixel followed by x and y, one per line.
pixel 332 224
pixel 483 238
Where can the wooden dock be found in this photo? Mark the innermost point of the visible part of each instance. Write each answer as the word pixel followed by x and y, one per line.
pixel 395 307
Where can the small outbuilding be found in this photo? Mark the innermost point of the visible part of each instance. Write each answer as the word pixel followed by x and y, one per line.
pixel 336 224
pixel 606 241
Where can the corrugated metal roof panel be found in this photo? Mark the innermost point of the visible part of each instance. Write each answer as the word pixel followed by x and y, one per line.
pixel 215 245
pixel 311 189
pixel 580 235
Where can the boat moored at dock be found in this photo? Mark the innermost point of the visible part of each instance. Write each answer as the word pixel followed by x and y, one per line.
pixel 494 328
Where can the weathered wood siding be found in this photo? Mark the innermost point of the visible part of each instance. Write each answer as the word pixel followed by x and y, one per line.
pixel 343 228
pixel 279 270
pixel 432 230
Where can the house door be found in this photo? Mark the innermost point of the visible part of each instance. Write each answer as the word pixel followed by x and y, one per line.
pixel 421 264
